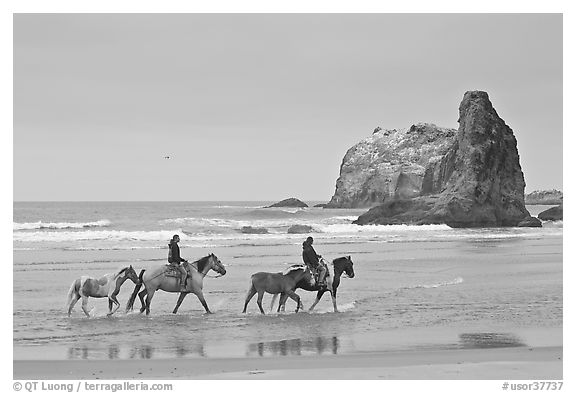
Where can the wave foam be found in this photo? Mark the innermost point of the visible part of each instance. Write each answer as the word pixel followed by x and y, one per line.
pixel 456 281
pixel 59 225
pixel 62 236
pixel 347 228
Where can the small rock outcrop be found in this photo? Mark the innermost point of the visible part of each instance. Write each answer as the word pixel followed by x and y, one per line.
pixel 253 230
pixel 530 222
pixel 391 164
pixel 546 197
pixel 290 202
pixel 478 182
pixel 553 214
pixel 300 229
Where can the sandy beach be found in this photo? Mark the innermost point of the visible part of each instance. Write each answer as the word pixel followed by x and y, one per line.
pixel 500 363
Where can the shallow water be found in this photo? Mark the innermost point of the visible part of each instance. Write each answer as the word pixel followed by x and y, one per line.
pixel 415 287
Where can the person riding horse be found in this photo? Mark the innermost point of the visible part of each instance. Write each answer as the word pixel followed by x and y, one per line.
pixel 174 260
pixel 312 260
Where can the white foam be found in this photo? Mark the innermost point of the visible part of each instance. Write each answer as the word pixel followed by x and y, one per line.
pixel 62 236
pixel 353 228
pixel 59 225
pixel 456 281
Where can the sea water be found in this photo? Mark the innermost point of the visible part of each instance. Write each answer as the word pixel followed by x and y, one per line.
pixel 415 286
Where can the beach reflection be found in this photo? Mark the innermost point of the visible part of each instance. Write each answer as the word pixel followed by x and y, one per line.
pixel 296 347
pixel 114 352
pixel 490 340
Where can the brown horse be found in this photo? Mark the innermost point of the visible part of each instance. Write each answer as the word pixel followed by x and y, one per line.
pixel 278 283
pixel 156 279
pixel 105 286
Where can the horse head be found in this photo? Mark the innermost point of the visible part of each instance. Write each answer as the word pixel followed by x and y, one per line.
pixel 216 264
pixel 130 274
pixel 345 264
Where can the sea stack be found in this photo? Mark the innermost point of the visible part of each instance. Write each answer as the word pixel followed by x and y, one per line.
pixel 477 183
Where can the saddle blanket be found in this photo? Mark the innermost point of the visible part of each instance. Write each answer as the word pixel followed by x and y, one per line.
pixel 172 271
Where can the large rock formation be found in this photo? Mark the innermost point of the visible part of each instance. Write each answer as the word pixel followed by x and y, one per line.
pixel 390 164
pixel 477 183
pixel 546 197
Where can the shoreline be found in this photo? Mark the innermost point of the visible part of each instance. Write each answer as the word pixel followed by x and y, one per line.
pixel 494 363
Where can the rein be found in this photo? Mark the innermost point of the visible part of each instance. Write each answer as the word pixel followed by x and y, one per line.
pixel 204 274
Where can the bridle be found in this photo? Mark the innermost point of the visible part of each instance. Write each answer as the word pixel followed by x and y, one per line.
pixel 195 266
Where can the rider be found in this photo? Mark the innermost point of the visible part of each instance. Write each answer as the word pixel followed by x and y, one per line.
pixel 312 260
pixel 174 260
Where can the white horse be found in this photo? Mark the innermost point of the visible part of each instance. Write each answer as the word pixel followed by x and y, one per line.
pixel 106 286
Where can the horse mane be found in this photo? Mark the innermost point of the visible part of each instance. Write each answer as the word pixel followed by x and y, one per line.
pixel 339 259
pixel 202 262
pixel 293 268
pixel 120 272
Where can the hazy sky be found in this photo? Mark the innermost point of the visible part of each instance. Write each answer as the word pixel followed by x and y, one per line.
pixel 262 106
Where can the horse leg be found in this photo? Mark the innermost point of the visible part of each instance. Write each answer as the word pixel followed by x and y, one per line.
pixel 249 296
pixel 282 303
pixel 259 301
pixel 179 302
pixel 274 297
pixel 85 306
pixel 112 300
pixel 318 297
pixel 296 298
pixel 333 294
pixel 148 301
pixel 73 303
pixel 141 296
pixel 200 296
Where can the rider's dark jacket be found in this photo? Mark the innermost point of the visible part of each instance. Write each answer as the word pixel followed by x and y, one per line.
pixel 309 255
pixel 174 253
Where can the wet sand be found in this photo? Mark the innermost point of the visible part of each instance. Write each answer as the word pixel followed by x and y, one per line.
pixel 499 363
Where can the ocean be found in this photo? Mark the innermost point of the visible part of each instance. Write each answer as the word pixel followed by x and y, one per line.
pixel 415 286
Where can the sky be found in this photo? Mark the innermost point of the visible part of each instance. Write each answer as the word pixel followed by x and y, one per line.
pixel 262 106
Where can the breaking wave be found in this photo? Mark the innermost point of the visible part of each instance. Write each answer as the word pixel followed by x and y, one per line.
pixel 61 236
pixel 59 225
pixel 456 281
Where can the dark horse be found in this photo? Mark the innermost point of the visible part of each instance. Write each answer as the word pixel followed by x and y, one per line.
pixel 340 265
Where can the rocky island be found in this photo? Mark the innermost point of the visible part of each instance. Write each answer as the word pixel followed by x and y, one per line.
pixel 555 213
pixel 470 177
pixel 290 202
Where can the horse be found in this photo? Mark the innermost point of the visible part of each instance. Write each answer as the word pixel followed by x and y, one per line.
pixel 340 265
pixel 106 286
pixel 156 279
pixel 278 283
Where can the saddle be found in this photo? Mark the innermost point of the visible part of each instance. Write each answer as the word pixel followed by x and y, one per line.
pixel 172 271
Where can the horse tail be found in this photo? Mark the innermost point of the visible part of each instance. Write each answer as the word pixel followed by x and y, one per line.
pixel 130 304
pixel 71 293
pixel 274 297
